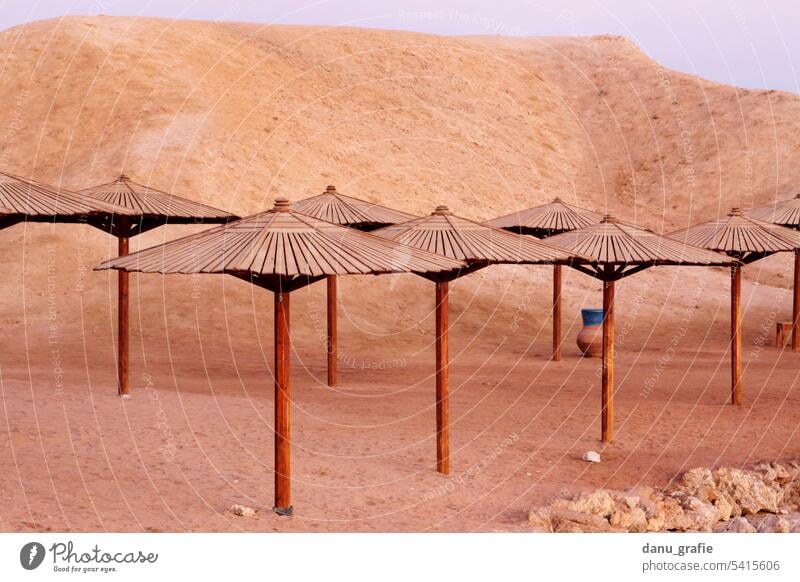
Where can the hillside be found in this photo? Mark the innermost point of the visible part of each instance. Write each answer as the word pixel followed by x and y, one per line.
pixel 235 114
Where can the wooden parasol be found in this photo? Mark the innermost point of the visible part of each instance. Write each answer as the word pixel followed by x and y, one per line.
pixel 617 250
pixel 282 250
pixel 27 200
pixel 478 245
pixel 150 208
pixel 786 213
pixel 543 221
pixel 747 240
pixel 332 206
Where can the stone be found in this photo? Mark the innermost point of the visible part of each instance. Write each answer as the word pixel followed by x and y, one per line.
pixel 738 525
pixel 598 503
pixel 632 519
pixel 725 508
pixel 242 510
pixel 591 457
pixel 539 518
pixel 699 483
pixel 570 521
pixel 699 515
pixel 773 524
pixel 748 491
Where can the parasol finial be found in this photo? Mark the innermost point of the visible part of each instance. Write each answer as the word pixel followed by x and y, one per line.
pixel 330 188
pixel 281 204
pixel 735 211
pixel 442 209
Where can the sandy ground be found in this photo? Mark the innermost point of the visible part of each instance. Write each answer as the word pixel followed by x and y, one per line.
pixel 196 436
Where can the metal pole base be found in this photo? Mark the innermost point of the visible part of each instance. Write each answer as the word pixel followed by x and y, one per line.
pixel 284 511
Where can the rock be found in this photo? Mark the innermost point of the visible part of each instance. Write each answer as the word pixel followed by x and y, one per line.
pixel 699 483
pixel 747 491
pixel 632 519
pixel 725 508
pixel 738 525
pixel 598 503
pixel 591 457
pixel 699 515
pixel 570 521
pixel 673 516
pixel 539 518
pixel 773 524
pixel 242 510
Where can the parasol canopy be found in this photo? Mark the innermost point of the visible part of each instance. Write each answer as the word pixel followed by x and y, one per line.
pixel 629 248
pixel 748 239
pixel 151 207
pixel 332 206
pixel 33 201
pixel 784 212
pixel 547 219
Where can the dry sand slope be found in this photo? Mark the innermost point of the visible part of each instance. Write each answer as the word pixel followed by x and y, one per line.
pixel 235 114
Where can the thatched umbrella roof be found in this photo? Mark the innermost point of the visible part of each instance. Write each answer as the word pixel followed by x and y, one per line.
pixel 740 236
pixel 476 243
pixel 151 207
pixel 785 212
pixel 335 207
pixel 547 219
pixel 627 249
pixel 33 201
pixel 282 245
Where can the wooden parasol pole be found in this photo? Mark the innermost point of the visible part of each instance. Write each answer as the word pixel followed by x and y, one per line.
pixel 332 330
pixel 796 303
pixel 442 381
pixel 556 313
pixel 283 482
pixel 607 396
pixel 736 335
pixel 123 388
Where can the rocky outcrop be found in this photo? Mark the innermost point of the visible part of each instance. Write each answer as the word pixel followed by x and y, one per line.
pixel 765 498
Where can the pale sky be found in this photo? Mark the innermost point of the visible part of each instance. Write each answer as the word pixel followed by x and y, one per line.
pixel 749 43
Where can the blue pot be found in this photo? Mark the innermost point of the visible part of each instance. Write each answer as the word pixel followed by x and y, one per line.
pixel 592 316
pixel 590 338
